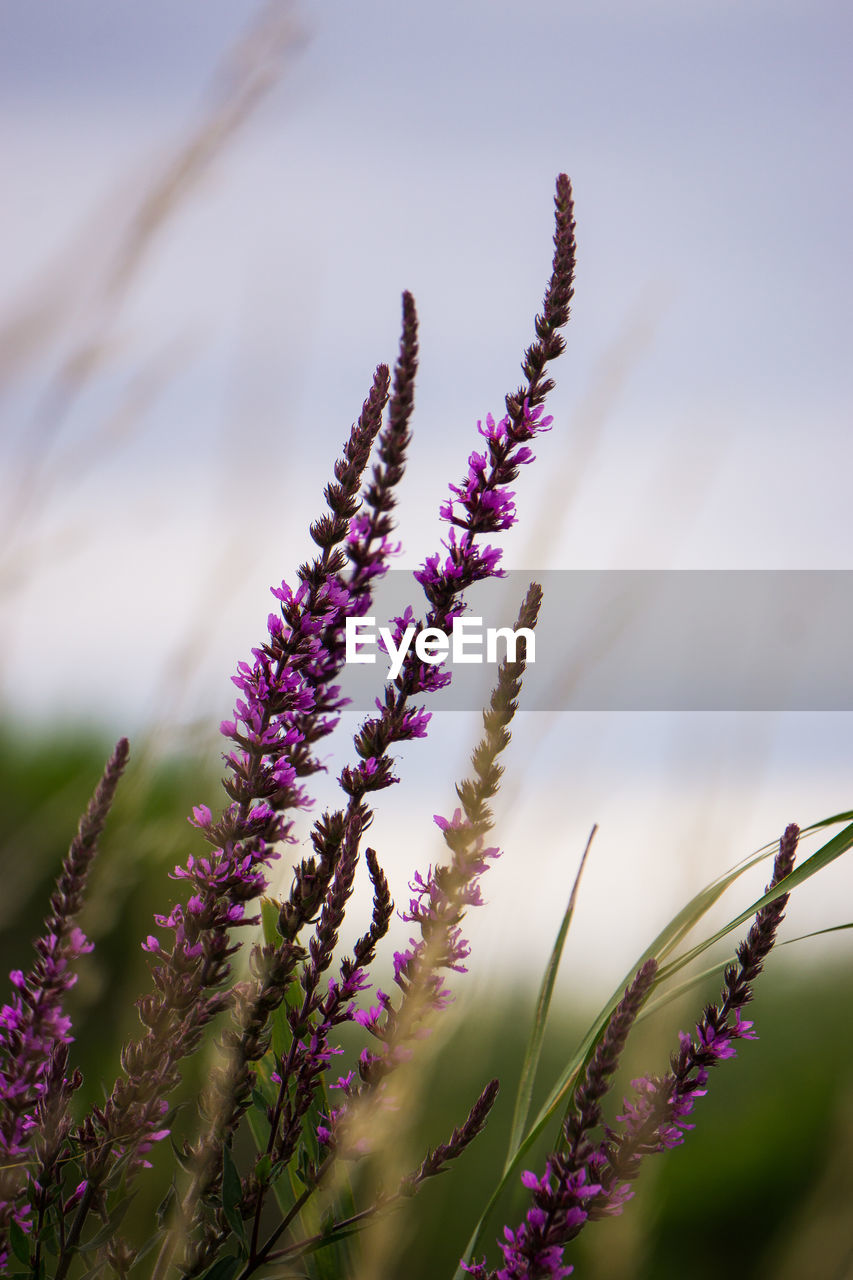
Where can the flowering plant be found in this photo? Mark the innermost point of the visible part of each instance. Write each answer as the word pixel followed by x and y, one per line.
pixel 263 1185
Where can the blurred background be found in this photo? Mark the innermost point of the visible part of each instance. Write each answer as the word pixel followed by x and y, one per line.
pixel 209 214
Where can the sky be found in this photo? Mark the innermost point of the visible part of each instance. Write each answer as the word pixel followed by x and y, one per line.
pixel 179 369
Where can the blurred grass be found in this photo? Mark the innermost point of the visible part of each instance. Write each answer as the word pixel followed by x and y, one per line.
pixel 764 1180
pixel 45 783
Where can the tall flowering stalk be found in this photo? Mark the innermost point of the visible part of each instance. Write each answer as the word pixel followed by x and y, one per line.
pixel 288 703
pixel 312 618
pixel 561 1196
pixel 656 1119
pixel 369 542
pixel 35 1030
pixel 486 508
pixel 481 506
pixel 585 1180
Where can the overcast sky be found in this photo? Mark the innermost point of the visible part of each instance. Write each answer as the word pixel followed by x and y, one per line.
pixel 702 415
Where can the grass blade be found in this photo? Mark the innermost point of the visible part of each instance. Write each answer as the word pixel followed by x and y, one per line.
pixel 825 855
pixel 533 1052
pixel 697 979
pixel 817 933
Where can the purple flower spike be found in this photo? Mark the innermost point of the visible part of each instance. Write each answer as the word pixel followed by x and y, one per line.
pixel 33 1027
pixel 287 703
pixel 584 1181
pixel 657 1117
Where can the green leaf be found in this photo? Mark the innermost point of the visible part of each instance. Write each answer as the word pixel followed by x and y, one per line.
pixel 825 855
pixel 110 1226
pixel 222 1269
pixel 697 979
pixel 50 1243
pixel 232 1194
pixel 334 1236
pixel 165 1206
pixel 186 1162
pixel 19 1242
pixel 540 1019
pixel 817 933
pixel 149 1244
pixel 260 1102
pixel 269 922
pixel 260 1130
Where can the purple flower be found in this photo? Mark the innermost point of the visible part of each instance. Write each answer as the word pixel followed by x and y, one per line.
pixel 556 1214
pixel 656 1118
pixel 33 1026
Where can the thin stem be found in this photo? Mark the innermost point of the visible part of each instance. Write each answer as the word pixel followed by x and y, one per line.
pixel 259 1256
pixel 274 1124
pixel 67 1253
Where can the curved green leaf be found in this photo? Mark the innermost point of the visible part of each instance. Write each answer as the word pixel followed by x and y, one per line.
pixel 533 1052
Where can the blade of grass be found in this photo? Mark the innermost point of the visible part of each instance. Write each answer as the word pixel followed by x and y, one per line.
pixel 533 1052
pixel 836 818
pixel 697 979
pixel 825 855
pixel 817 933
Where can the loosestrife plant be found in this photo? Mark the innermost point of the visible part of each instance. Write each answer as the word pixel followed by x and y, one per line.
pixel 279 1088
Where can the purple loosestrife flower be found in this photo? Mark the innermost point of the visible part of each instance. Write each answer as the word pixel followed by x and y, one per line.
pixel 656 1119
pixel 290 702
pixel 285 708
pixel 561 1198
pixel 445 578
pixel 466 562
pixel 480 506
pixel 336 837
pixel 34 1029
pixel 585 1181
pixel 369 544
pixel 482 503
pixel 367 548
